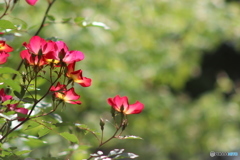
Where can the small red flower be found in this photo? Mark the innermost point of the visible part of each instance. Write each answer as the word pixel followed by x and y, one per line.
pixel 63 55
pixel 36 49
pixel 3 57
pixel 22 111
pixel 68 96
pixel 13 107
pixel 32 59
pixel 31 2
pixel 3 96
pixel 77 76
pixel 5 47
pixel 39 46
pixel 121 104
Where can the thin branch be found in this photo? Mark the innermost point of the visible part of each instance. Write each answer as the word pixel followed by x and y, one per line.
pixel 5 12
pixel 44 18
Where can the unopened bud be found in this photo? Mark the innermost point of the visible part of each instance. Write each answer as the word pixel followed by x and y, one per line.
pixel 124 124
pixel 24 77
pixel 113 112
pixel 102 123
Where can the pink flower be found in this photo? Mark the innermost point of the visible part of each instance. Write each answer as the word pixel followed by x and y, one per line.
pixel 121 104
pixel 36 49
pixel 31 59
pixel 68 96
pixel 5 47
pixel 13 107
pixel 22 111
pixel 63 55
pixel 3 96
pixel 77 76
pixel 39 46
pixel 31 2
pixel 3 57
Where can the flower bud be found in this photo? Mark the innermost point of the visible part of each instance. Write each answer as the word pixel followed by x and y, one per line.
pixel 113 112
pixel 102 123
pixel 124 124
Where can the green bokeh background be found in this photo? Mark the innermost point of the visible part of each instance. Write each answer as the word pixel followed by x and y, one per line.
pixel 152 49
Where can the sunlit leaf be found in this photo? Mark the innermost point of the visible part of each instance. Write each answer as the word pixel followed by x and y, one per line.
pixel 115 152
pixel 126 155
pixel 13 84
pixel 33 142
pixel 51 18
pixel 12 116
pixel 8 70
pixel 31 125
pixel 22 152
pixel 129 137
pixel 10 102
pixel 43 131
pixel 99 24
pixel 65 20
pixel 5 24
pixel 69 137
pixel 79 20
pixel 28 100
pixel 20 24
pixel 56 117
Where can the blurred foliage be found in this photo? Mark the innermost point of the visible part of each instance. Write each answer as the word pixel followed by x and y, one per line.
pixel 152 49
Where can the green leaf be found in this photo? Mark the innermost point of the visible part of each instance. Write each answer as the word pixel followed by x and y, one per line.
pixel 129 137
pixel 20 94
pixel 28 100
pixel 5 24
pixel 79 20
pixel 69 136
pixel 10 102
pixel 32 125
pixel 126 155
pixel 13 84
pixel 99 24
pixel 65 20
pixel 8 70
pixel 9 115
pixel 43 131
pixel 1 122
pixel 5 153
pixel 19 23
pixel 22 152
pixel 119 154
pixel 32 142
pixel 56 117
pixel 51 18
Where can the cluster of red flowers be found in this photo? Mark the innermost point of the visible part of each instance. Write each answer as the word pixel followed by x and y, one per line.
pixel 40 52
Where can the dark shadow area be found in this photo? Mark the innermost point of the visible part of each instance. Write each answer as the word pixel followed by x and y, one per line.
pixel 224 59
